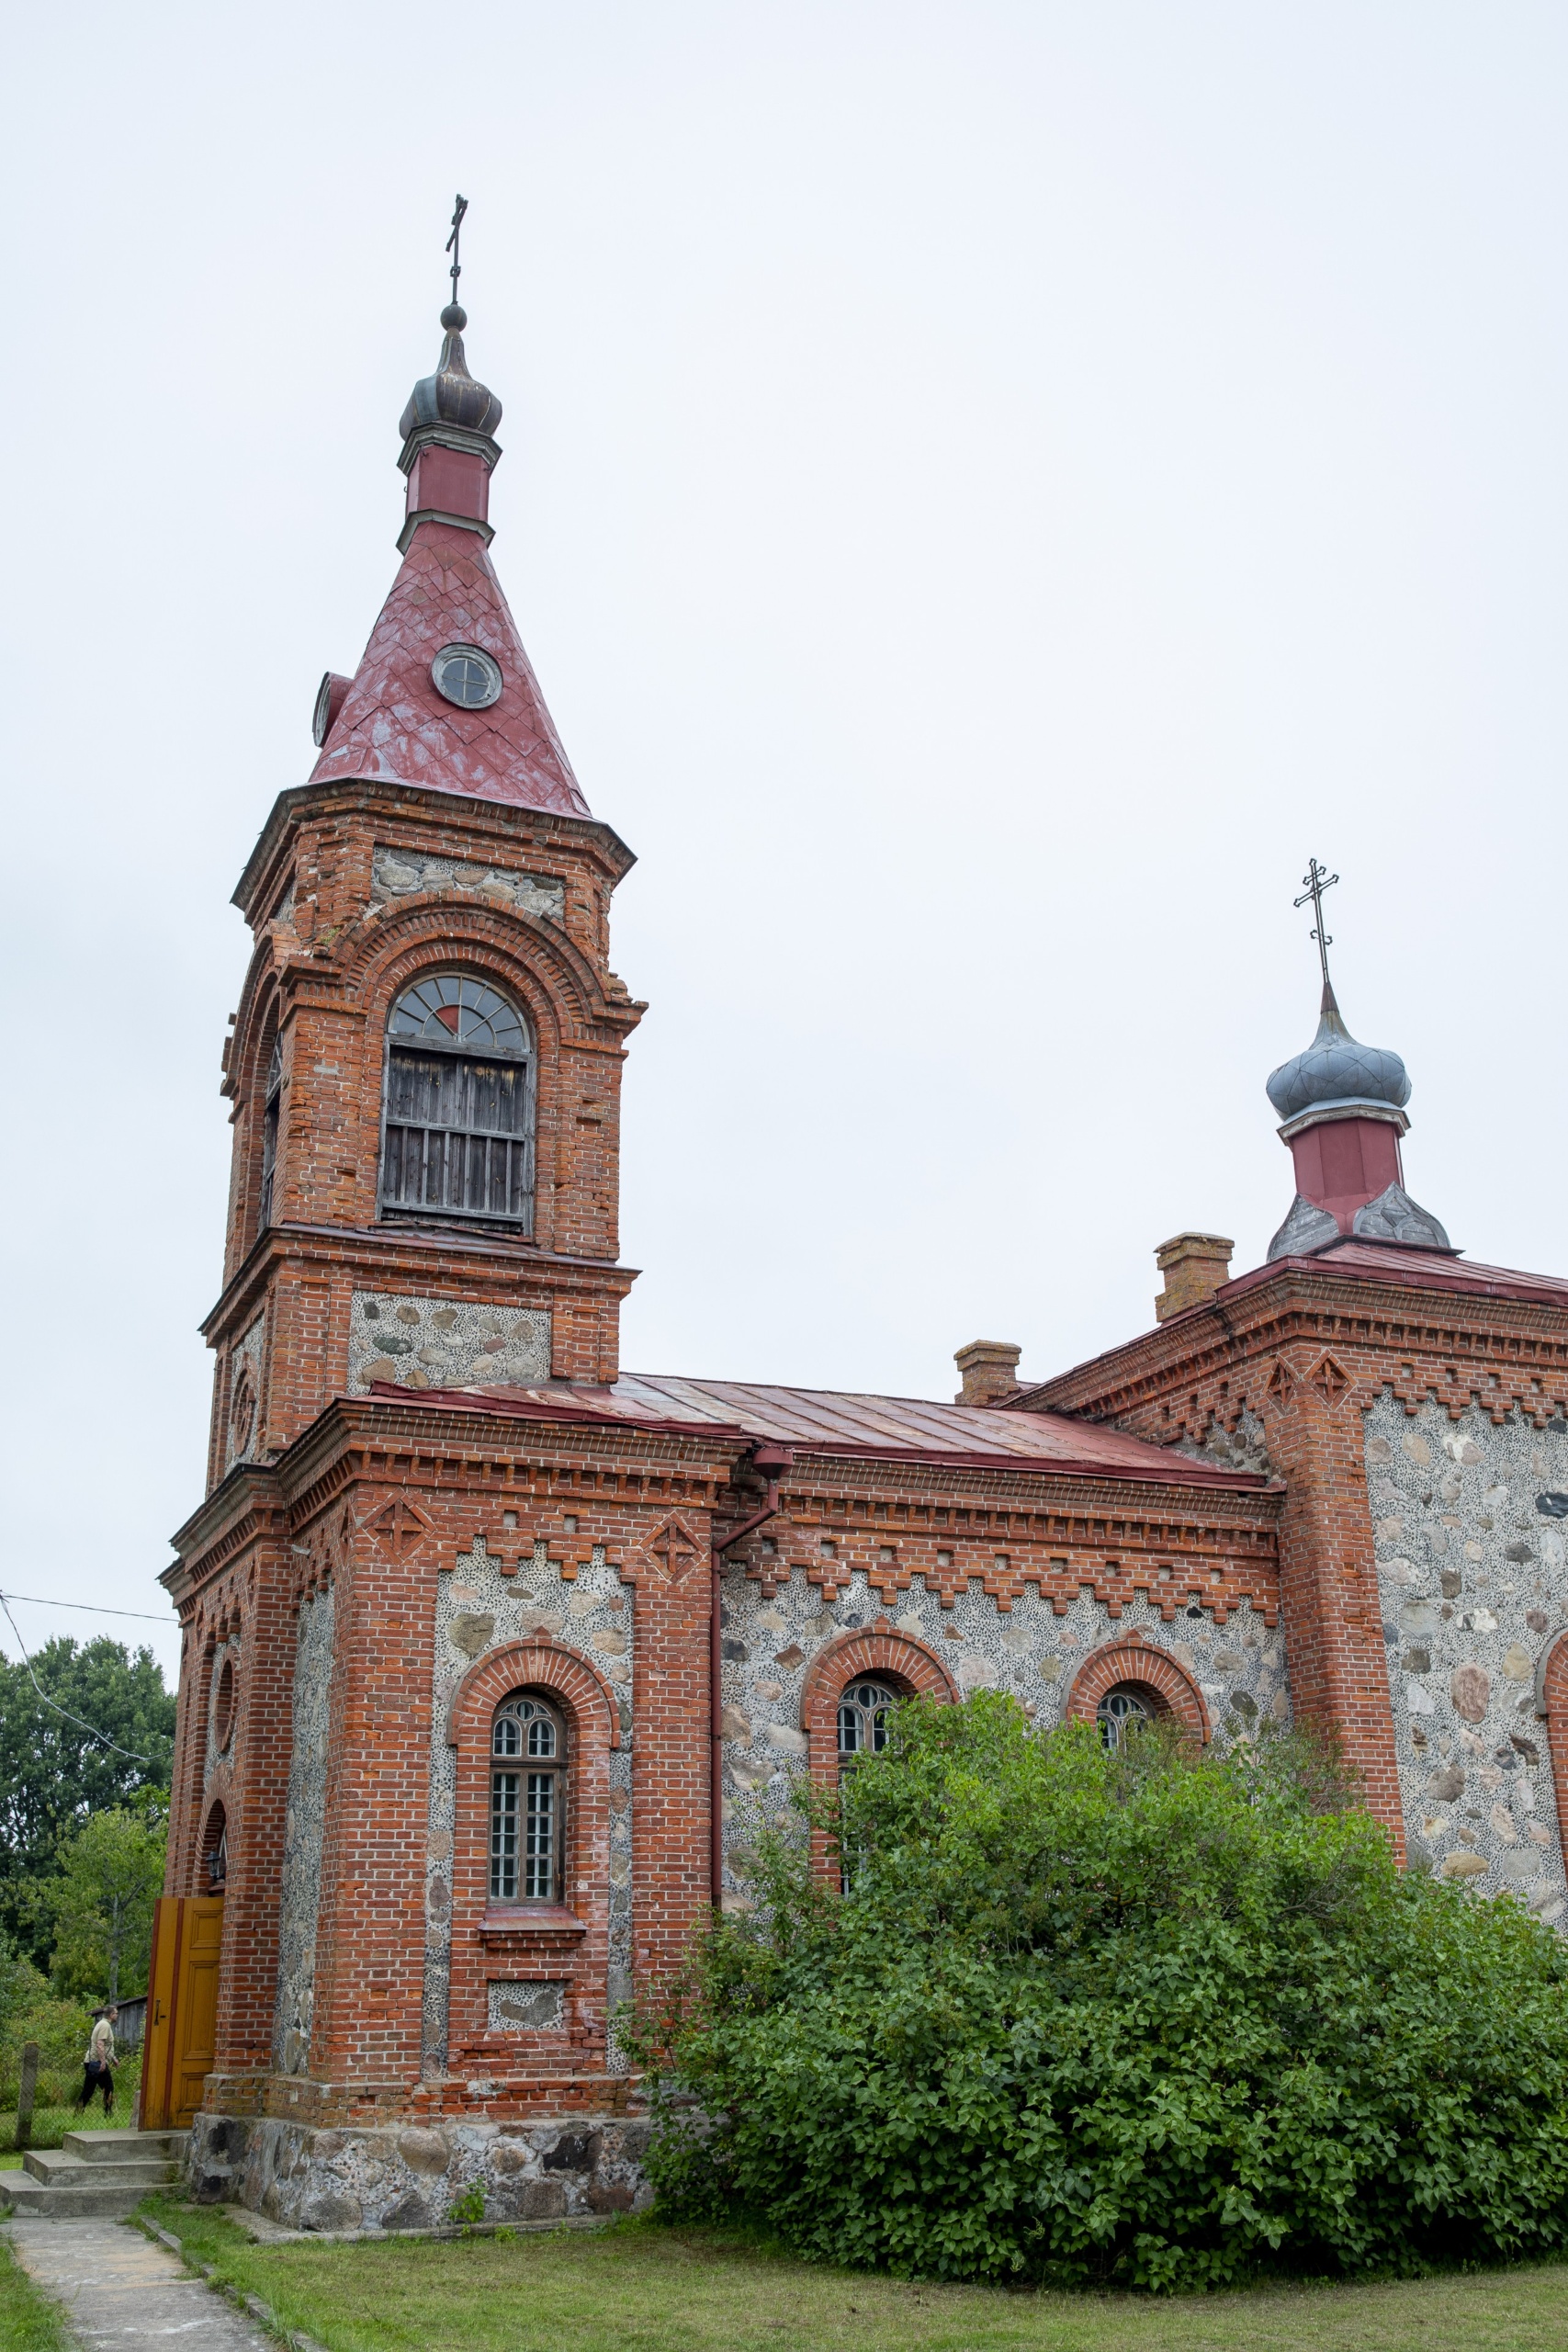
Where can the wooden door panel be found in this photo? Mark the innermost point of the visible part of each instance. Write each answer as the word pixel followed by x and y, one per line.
pixel 182 2008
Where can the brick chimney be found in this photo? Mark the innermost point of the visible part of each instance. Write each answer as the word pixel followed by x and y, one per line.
pixel 988 1369
pixel 1194 1265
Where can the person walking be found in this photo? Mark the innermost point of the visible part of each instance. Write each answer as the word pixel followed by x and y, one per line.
pixel 97 2072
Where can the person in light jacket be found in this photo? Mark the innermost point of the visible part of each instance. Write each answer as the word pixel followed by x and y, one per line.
pixel 99 2064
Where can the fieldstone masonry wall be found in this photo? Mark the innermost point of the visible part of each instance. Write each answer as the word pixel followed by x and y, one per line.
pixel 437 1343
pixel 1468 1517
pixel 1030 1652
pixel 398 873
pixel 304 1823
pixel 408 2178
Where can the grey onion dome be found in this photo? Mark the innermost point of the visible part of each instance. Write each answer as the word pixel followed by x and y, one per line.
pixel 1338 1074
pixel 451 396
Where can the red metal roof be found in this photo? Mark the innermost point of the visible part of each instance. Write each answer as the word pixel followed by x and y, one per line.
pixel 825 1421
pixel 394 727
pixel 1413 1269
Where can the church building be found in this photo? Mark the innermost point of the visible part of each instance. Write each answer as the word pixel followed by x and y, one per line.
pixel 495 1654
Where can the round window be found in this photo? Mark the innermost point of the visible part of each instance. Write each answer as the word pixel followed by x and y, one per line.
pixel 466 676
pixel 223 1710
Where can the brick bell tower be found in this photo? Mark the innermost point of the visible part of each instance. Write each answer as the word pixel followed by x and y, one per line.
pixel 424 1071
pixel 425 1065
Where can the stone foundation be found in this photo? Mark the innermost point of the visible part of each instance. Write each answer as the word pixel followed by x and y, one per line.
pixel 308 2177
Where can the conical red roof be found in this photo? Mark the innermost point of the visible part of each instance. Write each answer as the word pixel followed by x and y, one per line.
pixel 393 726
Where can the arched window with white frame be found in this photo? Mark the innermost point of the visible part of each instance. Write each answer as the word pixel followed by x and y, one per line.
pixel 862 1718
pixel 1125 1707
pixel 458 1127
pixel 528 1801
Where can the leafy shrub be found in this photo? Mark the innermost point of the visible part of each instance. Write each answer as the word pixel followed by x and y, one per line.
pixel 61 2030
pixel 1154 2019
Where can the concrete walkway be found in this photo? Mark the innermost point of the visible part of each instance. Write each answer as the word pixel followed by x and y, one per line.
pixel 121 2289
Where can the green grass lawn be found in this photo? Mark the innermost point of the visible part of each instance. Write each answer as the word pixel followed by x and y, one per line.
pixel 27 2323
pixel 644 2287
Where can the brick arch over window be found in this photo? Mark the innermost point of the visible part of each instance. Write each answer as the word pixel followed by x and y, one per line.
pixel 892 1657
pixel 568 1942
pixel 1552 1712
pixel 1150 1670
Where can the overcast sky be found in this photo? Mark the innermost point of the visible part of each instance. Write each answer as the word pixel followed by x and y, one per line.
pixel 989 490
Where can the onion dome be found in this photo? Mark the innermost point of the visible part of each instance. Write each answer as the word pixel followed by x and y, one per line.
pixel 451 396
pixel 1337 1075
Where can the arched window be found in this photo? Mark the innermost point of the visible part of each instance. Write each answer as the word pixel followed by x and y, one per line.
pixel 269 1130
pixel 215 1853
pixel 528 1801
pixel 1122 1708
pixel 458 1137
pixel 862 1718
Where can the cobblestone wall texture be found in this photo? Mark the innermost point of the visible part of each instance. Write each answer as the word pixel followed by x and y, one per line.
pixel 1030 1652
pixel 1469 1521
pixel 442 1343
pixel 408 2178
pixel 398 873
pixel 299 1892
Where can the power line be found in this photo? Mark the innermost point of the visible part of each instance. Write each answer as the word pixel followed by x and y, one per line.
pixel 58 1710
pixel 146 1616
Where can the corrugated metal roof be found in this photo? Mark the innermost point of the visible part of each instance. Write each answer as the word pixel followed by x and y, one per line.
pixel 827 1420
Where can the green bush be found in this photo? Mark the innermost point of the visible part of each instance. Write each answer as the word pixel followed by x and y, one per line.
pixel 61 2030
pixel 1154 2019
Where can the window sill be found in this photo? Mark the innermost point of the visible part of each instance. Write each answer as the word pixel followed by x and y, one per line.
pixel 545 1926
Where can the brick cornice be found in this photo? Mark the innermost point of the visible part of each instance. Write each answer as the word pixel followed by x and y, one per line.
pixel 452 812
pixel 1490 1331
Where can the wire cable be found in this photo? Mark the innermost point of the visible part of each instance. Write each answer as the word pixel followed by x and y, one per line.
pixel 148 1617
pixel 43 1694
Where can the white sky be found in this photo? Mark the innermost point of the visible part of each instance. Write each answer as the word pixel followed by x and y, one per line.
pixel 990 490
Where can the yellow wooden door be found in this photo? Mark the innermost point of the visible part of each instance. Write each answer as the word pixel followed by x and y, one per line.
pixel 182 2008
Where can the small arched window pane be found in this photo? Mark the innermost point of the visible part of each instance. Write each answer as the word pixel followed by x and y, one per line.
pixel 452 1010
pixel 1119 1712
pixel 862 1718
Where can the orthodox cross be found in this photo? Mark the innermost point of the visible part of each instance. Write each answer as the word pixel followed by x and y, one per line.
pixel 1318 880
pixel 452 242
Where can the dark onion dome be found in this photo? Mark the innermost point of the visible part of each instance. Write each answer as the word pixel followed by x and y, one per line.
pixel 1336 1073
pixel 451 396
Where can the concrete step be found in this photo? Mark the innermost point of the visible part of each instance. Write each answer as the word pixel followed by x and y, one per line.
pixel 57 2170
pixel 114 2147
pixel 31 2200
pixel 96 2176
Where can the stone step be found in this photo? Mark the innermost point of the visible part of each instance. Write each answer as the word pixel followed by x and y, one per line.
pixel 57 2170
pixel 95 2175
pixel 31 2200
pixel 114 2147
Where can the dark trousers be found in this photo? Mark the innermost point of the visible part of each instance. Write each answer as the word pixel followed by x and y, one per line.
pixel 97 2078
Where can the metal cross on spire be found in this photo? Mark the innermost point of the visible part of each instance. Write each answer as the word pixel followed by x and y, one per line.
pixel 452 244
pixel 1318 879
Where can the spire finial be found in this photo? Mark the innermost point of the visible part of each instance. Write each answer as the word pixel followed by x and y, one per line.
pixel 1318 879
pixel 454 325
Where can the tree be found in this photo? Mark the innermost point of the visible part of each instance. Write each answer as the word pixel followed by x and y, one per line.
pixel 100 1901
pixel 54 1772
pixel 1150 2019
